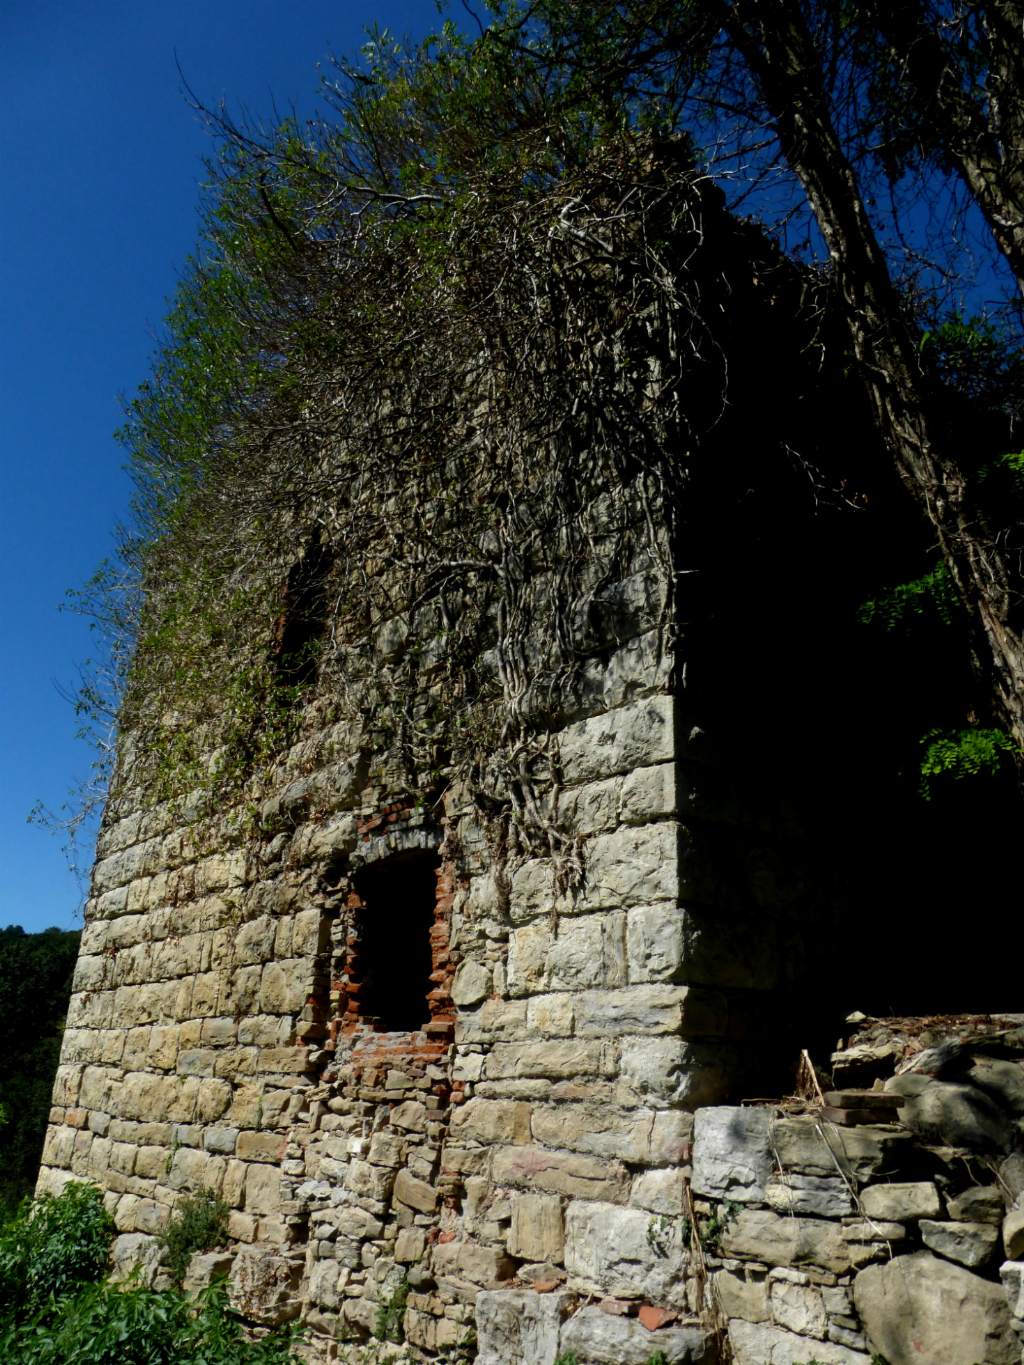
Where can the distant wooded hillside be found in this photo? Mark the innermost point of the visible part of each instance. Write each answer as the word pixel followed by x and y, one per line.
pixel 35 983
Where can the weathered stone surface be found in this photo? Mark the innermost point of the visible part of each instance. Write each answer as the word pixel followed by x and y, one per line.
pixel 921 1310
pixel 138 1255
pixel 205 1267
pixel 969 1244
pixel 953 1113
pixel 1013 1235
pixel 811 1148
pixel 264 1286
pixel 732 1157
pixel 519 1326
pixel 898 1201
pixel 742 1296
pixel 467 1261
pixel 796 1305
pixel 759 1344
pixel 568 1173
pixel 623 739
pixel 417 1194
pixel 810 1194
pixel 979 1204
pixel 625 1253
pixel 760 1235
pixel 1012 1275
pixel 484 1120
pixel 472 983
pixel 594 1337
pixel 536 1232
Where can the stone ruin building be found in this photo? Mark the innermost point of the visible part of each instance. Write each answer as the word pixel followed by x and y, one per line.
pixel 461 1109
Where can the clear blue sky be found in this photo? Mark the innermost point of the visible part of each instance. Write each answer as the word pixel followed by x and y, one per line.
pixel 100 161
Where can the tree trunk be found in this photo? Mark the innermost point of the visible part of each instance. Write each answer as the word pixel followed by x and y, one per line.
pixel 776 44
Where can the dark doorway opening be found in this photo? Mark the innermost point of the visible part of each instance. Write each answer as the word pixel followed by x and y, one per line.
pixel 395 961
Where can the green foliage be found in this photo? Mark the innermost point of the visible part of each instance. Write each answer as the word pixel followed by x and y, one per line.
pixel 567 1358
pixel 56 1245
pixel 932 597
pixel 35 983
pixel 711 1229
pixel 199 1223
pixel 108 1325
pixel 389 1323
pixel 962 754
pixel 55 1308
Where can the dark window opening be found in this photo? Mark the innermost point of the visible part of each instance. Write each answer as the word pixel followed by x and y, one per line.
pixel 398 899
pixel 299 628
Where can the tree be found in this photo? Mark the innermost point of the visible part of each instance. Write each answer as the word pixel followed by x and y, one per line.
pixel 978 131
pixel 35 983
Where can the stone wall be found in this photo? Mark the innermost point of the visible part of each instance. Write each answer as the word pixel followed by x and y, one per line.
pixel 844 1243
pixel 530 1127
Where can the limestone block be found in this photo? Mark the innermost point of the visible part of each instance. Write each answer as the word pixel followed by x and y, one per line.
pixel 649 794
pixel 628 737
pixel 658 1191
pixel 625 1252
pixel 978 1204
pixel 136 1256
pixel 262 1189
pixel 552 1016
pixel 816 1195
pixel 410 1116
pixel 655 943
pixel 264 1286
pixel 536 1231
pixel 369 1182
pixel 567 1173
pixel 927 1311
pixel 741 1296
pixel 518 1326
pixel 950 1112
pixel 410 1245
pixel 732 1153
pixel 901 1200
pixel 152 1162
pixel 587 952
pixel 554 1060
pixel 465 1261
pixel 323 1284
pixel 472 983
pixel 528 949
pixel 632 865
pixel 810 1148
pixel 969 1244
pixel 760 1235
pixel 254 1146
pixel 593 808
pixel 213 1099
pixel 254 941
pixel 494 1020
pixel 1013 1234
pixel 1012 1275
pixel 416 1194
pixel 760 1344
pixel 796 1304
pixel 387 1150
pixel 208 997
pixel 632 1010
pixel 189 1169
pixel 598 1338
pixel 597 1130
pixel 667 1070
pixel 285 986
pixel 483 1120
pixel 206 1266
